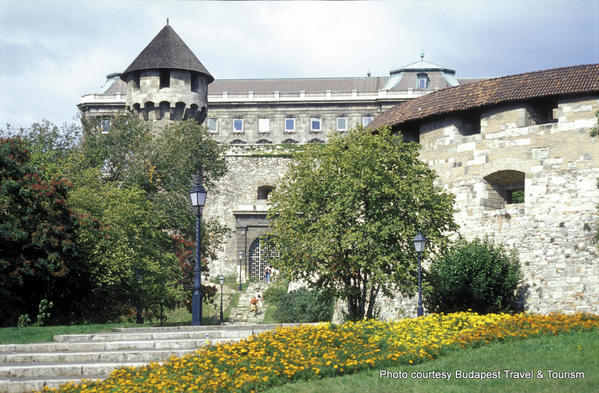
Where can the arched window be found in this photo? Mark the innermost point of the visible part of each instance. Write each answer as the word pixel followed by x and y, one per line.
pixel 506 187
pixel 315 140
pixel 237 142
pixel 289 141
pixel 264 192
pixel 422 80
pixel 263 141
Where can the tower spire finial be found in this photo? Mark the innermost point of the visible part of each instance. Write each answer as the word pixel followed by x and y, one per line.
pixel 421 54
pixel 167 21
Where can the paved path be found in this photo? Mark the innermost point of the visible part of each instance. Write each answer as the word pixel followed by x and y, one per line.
pixel 242 313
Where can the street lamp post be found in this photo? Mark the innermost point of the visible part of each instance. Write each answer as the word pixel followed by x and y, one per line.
pixel 221 279
pixel 198 200
pixel 419 244
pixel 139 277
pixel 240 254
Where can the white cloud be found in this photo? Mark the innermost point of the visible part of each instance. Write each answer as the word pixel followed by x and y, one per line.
pixel 54 52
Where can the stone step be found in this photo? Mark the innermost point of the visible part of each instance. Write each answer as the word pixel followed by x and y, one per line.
pixel 224 327
pixel 70 358
pixel 127 355
pixel 106 345
pixel 55 369
pixel 26 385
pixel 156 335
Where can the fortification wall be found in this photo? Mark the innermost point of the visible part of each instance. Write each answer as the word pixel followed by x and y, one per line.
pixel 552 231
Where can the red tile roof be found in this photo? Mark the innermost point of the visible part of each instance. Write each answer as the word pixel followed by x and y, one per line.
pixel 581 79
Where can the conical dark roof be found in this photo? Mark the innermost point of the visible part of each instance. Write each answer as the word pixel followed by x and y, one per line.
pixel 167 50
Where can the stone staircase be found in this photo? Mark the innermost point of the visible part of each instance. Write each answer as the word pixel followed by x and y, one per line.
pixel 70 358
pixel 242 313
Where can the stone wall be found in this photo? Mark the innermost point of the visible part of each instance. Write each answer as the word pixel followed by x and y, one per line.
pixel 552 231
pixel 234 200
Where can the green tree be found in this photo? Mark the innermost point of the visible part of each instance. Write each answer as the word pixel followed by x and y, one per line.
pixel 159 163
pixel 476 275
pixel 345 214
pixel 130 195
pixel 37 233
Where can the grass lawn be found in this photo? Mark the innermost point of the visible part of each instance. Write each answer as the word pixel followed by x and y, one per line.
pixel 37 334
pixel 269 314
pixel 566 352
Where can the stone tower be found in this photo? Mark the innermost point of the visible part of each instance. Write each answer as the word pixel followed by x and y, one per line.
pixel 167 81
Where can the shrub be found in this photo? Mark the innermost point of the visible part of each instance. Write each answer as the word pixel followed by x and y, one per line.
pixel 300 305
pixel 476 275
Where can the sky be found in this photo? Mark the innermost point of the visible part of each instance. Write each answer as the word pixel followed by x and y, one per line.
pixel 53 52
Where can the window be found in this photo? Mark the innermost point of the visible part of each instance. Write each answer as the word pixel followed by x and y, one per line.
pixel 505 187
pixel 105 126
pixel 342 124
pixel 135 80
pixel 315 124
pixel 366 120
pixel 290 124
pixel 211 123
pixel 422 81
pixel 470 123
pixel 289 141
pixel 237 142
pixel 410 132
pixel 237 125
pixel 543 111
pixel 165 79
pixel 263 125
pixel 195 82
pixel 264 192
pixel 263 141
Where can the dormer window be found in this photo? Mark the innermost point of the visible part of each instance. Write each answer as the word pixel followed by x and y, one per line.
pixel 422 81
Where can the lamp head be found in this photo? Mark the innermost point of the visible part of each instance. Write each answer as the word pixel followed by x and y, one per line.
pixel 419 242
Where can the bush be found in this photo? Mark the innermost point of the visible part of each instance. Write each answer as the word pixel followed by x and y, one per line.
pixel 301 305
pixel 476 275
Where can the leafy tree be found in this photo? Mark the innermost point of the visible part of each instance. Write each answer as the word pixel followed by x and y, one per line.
pixel 50 147
pixel 37 241
pixel 473 275
pixel 160 162
pixel 344 217
pixel 130 197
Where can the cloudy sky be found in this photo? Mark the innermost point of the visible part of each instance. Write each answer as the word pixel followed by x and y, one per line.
pixel 53 52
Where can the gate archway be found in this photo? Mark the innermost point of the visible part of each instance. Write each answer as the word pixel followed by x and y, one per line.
pixel 259 256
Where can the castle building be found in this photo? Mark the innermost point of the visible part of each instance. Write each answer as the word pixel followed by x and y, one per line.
pixel 515 151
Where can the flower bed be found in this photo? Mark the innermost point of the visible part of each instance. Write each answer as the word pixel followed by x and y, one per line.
pixel 309 352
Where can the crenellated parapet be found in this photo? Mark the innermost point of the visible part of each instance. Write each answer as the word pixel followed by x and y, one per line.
pixel 152 97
